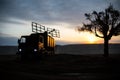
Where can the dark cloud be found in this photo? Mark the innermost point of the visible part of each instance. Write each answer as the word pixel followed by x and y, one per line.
pixel 116 3
pixel 7 20
pixel 71 11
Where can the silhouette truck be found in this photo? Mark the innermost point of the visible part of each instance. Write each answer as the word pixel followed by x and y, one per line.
pixel 37 44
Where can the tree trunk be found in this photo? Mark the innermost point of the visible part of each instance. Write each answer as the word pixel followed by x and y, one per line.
pixel 106 47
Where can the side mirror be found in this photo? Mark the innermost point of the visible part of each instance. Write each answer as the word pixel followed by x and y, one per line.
pixel 18 41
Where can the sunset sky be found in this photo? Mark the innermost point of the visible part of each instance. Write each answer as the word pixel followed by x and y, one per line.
pixel 65 15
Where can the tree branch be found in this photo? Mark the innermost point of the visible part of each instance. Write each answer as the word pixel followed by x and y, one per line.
pixel 96 34
pixel 115 31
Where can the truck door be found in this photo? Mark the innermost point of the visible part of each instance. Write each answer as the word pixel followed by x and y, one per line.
pixel 41 43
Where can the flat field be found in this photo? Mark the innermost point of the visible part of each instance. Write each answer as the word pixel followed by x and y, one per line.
pixel 61 67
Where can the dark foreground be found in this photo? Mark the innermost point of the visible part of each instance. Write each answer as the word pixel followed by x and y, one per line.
pixel 61 67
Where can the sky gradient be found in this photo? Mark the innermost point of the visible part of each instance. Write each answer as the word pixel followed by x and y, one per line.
pixel 16 17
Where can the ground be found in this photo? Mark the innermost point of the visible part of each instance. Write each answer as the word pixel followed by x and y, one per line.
pixel 61 67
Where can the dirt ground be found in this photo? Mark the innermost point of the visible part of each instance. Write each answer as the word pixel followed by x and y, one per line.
pixel 61 67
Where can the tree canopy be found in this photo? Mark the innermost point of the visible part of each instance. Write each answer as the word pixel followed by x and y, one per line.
pixel 103 24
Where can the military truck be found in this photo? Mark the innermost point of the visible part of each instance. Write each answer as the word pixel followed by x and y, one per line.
pixel 37 44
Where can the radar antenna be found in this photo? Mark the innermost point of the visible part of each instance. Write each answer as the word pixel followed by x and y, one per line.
pixel 53 32
pixel 38 28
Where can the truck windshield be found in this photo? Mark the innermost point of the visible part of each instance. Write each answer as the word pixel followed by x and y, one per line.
pixel 23 40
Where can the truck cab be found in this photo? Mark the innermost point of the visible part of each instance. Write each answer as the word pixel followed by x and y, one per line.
pixel 35 45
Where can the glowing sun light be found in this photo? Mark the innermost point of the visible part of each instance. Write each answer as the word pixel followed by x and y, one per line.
pixel 91 38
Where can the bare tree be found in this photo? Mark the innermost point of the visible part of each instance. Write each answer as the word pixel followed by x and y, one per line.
pixel 104 25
